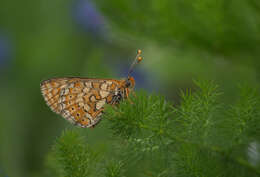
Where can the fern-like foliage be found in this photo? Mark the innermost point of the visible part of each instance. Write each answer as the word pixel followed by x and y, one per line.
pixel 71 156
pixel 200 137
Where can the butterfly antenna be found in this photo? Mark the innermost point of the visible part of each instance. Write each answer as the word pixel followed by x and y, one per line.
pixel 137 60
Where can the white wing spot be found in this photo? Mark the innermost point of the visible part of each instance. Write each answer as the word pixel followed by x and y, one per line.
pixel 81 104
pixel 100 104
pixel 109 82
pixel 62 106
pixel 66 113
pixel 62 99
pixel 80 95
pixel 63 86
pixel 88 84
pixel 116 92
pixel 48 85
pixel 86 107
pixel 104 86
pixel 49 95
pixel 71 85
pixel 88 116
pixel 92 98
pixel 66 91
pixel 86 90
pixel 103 94
pixel 79 100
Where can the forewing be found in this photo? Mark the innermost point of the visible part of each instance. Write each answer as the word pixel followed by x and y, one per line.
pixel 81 101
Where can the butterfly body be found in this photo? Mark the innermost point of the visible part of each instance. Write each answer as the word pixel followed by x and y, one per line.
pixel 82 100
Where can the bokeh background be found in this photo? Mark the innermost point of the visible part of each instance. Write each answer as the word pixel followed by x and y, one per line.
pixel 181 40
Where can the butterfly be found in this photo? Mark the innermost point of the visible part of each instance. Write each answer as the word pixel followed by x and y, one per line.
pixel 81 101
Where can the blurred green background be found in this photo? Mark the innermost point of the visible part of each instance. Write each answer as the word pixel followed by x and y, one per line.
pixel 180 39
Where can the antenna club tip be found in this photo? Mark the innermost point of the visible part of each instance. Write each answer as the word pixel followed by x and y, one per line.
pixel 139 51
pixel 139 59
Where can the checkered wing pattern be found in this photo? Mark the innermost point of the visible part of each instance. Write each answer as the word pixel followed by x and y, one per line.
pixel 80 100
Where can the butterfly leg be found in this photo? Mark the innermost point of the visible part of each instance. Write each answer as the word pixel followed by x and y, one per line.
pixel 127 92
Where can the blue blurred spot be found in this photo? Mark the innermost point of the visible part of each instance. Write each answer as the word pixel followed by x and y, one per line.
pixel 2 173
pixel 89 18
pixel 4 51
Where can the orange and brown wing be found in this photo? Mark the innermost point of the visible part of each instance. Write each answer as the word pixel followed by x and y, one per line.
pixel 51 90
pixel 81 101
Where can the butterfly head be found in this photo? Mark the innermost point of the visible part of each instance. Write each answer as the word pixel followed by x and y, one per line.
pixel 130 82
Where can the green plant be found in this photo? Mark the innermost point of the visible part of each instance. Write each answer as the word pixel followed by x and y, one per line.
pixel 200 137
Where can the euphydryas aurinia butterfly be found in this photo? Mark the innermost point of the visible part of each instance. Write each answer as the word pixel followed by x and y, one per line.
pixel 81 100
